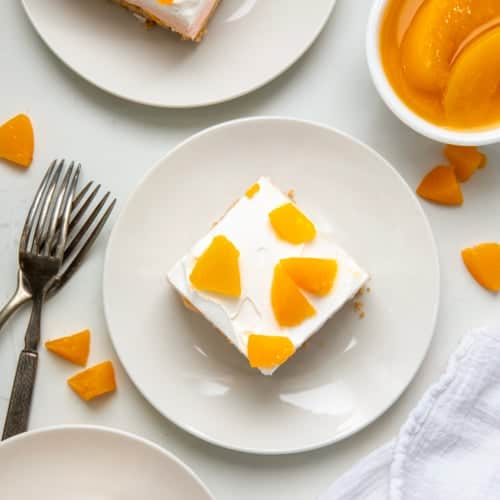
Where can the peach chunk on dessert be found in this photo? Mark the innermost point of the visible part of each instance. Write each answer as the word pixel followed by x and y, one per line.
pixel 95 381
pixel 440 185
pixel 291 225
pixel 436 33
pixel 483 263
pixel 217 269
pixel 311 274
pixel 465 159
pixel 74 348
pixel 265 351
pixel 17 140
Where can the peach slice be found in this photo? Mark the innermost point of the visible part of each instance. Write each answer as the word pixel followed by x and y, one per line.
pixel 74 348
pixel 217 269
pixel 291 225
pixel 290 307
pixel 253 190
pixel 265 351
pixel 472 89
pixel 95 381
pixel 440 185
pixel 483 262
pixel 466 160
pixel 313 275
pixel 436 33
pixel 17 141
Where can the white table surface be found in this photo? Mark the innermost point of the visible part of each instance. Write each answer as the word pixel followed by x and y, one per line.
pixel 118 142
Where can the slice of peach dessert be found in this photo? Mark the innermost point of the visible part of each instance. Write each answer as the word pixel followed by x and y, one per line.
pixel 266 276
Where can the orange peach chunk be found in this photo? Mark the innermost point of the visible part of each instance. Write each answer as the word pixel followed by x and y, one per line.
pixel 472 90
pixel 440 185
pixel 291 225
pixel 436 33
pixel 313 275
pixel 483 262
pixel 265 351
pixel 253 190
pixel 95 381
pixel 217 269
pixel 17 141
pixel 466 160
pixel 290 307
pixel 74 348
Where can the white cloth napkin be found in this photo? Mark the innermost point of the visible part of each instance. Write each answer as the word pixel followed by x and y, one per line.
pixel 449 449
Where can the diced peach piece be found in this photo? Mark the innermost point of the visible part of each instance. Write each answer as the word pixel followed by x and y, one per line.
pixel 440 185
pixel 74 348
pixel 253 190
pixel 291 225
pixel 483 262
pixel 313 275
pixel 466 160
pixel 266 351
pixel 217 269
pixel 474 81
pixel 436 33
pixel 95 381
pixel 290 306
pixel 17 141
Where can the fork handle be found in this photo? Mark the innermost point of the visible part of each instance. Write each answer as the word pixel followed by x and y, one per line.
pixel 16 420
pixel 20 297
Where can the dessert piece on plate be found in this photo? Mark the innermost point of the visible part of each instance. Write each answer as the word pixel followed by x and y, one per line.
pixel 266 277
pixel 188 18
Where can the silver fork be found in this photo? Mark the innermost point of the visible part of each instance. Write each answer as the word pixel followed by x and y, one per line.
pixel 72 259
pixel 41 252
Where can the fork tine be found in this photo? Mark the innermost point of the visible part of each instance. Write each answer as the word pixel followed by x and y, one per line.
pixel 77 217
pixel 77 259
pixel 66 213
pixel 44 210
pixel 28 225
pixel 81 194
pixel 77 238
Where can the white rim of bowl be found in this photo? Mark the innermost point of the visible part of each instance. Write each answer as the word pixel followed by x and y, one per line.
pixel 201 104
pixel 116 432
pixel 202 435
pixel 399 108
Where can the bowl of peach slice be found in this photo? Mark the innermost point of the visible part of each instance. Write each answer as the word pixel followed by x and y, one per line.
pixel 435 64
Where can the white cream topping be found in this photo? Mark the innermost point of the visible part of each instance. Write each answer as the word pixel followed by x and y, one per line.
pixel 185 14
pixel 247 226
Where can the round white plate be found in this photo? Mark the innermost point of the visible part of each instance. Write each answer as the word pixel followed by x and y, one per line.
pixel 353 369
pixel 92 463
pixel 249 43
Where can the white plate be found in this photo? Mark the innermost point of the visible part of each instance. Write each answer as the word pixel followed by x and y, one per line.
pixel 92 463
pixel 352 370
pixel 249 43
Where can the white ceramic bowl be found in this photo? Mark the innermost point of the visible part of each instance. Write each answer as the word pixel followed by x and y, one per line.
pixel 399 108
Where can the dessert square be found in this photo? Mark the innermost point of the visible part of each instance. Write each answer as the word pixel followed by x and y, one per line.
pixel 188 18
pixel 266 277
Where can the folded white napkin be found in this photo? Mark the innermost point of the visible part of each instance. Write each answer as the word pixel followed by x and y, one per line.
pixel 449 449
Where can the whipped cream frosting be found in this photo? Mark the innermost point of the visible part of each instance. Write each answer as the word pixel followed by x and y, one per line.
pixel 247 226
pixel 185 16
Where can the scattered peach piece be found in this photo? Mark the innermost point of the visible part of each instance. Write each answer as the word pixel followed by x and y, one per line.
pixel 441 186
pixel 310 274
pixel 265 351
pixel 74 348
pixel 253 190
pixel 217 269
pixel 17 141
pixel 483 262
pixel 95 381
pixel 290 307
pixel 466 160
pixel 291 225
